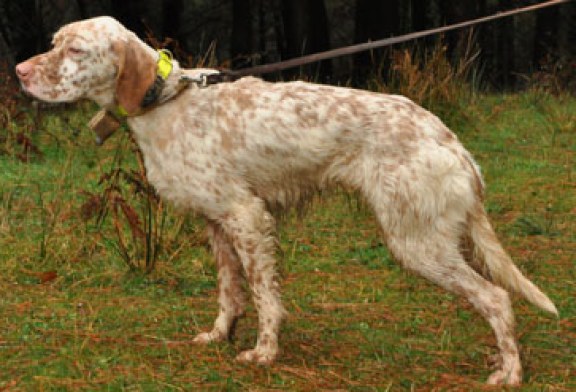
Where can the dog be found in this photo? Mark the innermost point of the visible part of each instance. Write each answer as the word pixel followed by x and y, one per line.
pixel 236 151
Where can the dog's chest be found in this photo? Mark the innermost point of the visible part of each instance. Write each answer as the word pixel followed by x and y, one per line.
pixel 180 165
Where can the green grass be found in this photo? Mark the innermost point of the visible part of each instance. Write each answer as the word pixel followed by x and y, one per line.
pixel 72 317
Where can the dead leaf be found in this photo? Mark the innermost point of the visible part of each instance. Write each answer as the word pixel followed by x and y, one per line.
pixel 47 276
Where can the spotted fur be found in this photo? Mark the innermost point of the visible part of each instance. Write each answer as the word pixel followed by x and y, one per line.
pixel 233 151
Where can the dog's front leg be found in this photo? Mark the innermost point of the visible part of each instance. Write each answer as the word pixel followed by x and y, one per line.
pixel 251 229
pixel 231 298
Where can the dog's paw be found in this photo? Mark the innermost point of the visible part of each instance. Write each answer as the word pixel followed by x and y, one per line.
pixel 258 356
pixel 501 377
pixel 208 337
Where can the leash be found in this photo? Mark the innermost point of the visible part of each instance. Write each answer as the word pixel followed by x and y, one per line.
pixel 105 123
pixel 227 75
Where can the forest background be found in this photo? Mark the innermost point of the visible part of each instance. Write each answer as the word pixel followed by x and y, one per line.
pixel 241 33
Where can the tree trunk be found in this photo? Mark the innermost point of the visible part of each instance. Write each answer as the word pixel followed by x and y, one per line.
pixel 91 8
pixel 129 12
pixel 455 11
pixel 241 47
pixel 546 34
pixel 419 14
pixel 306 31
pixel 504 41
pixel 6 55
pixel 567 30
pixel 172 13
pixel 375 19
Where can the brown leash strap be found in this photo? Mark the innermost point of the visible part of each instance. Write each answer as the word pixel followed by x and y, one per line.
pixel 227 75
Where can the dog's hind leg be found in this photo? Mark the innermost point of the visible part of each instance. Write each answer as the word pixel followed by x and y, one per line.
pixel 435 255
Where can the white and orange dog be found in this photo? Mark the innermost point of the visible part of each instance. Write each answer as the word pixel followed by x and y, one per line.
pixel 234 151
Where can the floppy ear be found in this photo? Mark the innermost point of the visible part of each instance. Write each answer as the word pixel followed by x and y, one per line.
pixel 136 73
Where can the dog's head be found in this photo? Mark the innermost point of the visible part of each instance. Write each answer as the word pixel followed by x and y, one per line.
pixel 97 59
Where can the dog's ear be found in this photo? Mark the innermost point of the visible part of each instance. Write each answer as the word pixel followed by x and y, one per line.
pixel 136 73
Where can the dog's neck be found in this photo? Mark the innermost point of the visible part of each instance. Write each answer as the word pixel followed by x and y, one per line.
pixel 172 86
pixel 167 84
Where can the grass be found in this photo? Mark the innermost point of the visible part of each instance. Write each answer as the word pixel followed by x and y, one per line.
pixel 74 317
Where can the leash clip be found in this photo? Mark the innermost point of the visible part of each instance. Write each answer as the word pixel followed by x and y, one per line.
pixel 202 80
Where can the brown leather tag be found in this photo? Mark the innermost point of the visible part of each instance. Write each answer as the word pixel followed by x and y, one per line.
pixel 104 124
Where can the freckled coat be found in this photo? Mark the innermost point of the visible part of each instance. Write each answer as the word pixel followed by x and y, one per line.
pixel 278 141
pixel 233 151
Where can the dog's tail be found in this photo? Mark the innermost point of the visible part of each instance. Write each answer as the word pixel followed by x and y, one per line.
pixel 498 265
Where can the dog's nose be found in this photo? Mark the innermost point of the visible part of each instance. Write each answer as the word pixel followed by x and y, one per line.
pixel 25 70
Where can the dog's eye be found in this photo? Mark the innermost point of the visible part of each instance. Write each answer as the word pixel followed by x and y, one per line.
pixel 74 51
